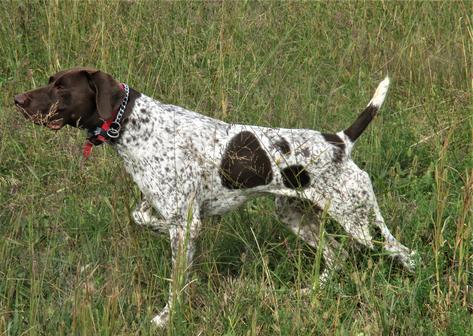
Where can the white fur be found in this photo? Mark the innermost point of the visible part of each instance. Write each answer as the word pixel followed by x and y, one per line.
pixel 380 93
pixel 175 156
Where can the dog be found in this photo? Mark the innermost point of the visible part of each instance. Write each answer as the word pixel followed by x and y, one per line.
pixel 189 166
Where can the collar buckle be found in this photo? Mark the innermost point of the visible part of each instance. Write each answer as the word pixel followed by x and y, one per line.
pixel 114 130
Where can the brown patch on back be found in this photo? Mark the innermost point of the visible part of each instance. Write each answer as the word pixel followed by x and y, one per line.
pixel 245 164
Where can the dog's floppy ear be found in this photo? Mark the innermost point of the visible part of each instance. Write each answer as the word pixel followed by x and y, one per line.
pixel 108 94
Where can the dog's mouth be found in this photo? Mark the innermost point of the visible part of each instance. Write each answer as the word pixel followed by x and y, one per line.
pixel 22 110
pixel 47 120
pixel 55 124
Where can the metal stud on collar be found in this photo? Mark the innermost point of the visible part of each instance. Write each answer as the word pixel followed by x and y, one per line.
pixel 115 127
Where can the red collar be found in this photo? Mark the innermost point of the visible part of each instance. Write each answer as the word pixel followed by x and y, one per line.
pixel 103 133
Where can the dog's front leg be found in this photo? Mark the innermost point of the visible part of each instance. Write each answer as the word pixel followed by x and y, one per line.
pixel 143 216
pixel 182 235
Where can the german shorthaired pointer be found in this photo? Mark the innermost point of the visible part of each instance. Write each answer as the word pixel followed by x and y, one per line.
pixel 189 166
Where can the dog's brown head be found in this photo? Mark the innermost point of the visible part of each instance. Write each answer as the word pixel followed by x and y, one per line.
pixel 80 97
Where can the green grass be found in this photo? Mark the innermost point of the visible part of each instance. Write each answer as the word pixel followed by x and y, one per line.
pixel 73 263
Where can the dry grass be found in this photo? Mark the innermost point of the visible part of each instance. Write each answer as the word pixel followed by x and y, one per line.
pixel 71 261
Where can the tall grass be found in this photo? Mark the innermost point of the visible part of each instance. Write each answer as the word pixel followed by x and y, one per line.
pixel 72 261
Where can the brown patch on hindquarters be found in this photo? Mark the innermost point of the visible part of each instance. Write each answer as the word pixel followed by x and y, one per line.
pixel 295 177
pixel 245 164
pixel 335 140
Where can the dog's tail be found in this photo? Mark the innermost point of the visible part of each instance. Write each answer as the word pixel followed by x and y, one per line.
pixel 356 129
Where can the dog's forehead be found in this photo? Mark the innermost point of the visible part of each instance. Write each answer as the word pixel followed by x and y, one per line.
pixel 64 73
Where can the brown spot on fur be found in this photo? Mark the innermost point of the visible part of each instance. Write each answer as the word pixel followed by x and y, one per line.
pixel 295 177
pixel 306 152
pixel 339 149
pixel 335 140
pixel 283 146
pixel 245 164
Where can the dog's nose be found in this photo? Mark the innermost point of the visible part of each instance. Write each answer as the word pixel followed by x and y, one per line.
pixel 21 99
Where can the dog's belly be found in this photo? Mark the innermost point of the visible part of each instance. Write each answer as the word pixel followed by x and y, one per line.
pixel 222 204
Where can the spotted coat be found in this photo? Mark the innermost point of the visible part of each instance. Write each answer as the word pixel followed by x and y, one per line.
pixel 189 166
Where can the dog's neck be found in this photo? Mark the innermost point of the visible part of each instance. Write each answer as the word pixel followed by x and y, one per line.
pixel 138 125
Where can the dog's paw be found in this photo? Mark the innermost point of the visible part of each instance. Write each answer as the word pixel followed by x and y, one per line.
pixel 410 261
pixel 161 320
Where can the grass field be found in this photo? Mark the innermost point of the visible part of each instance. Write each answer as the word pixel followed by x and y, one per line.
pixel 73 263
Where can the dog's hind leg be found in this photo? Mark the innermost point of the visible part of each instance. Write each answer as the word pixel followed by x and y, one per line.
pixel 304 220
pixel 403 254
pixel 356 209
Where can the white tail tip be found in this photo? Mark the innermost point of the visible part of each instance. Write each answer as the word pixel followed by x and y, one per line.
pixel 380 93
